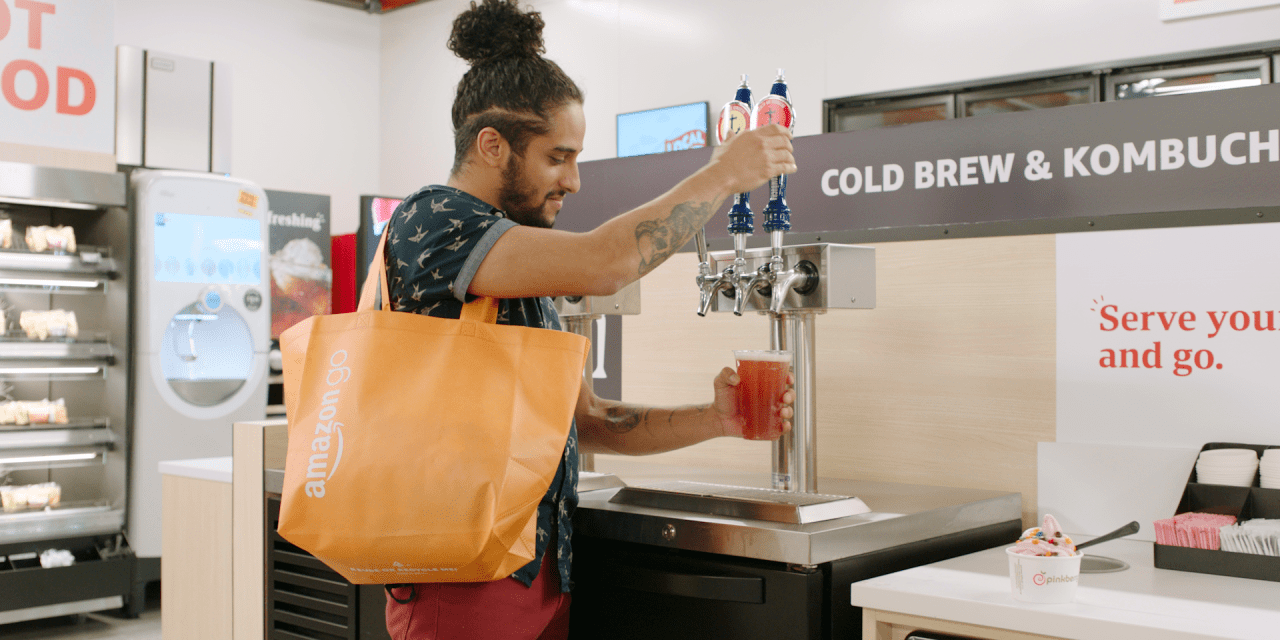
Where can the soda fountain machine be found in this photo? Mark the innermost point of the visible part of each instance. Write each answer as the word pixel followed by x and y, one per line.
pixel 735 555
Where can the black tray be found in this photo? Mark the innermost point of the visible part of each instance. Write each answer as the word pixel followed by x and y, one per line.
pixel 1244 503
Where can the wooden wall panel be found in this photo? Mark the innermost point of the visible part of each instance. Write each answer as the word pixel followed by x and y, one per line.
pixel 60 158
pixel 950 381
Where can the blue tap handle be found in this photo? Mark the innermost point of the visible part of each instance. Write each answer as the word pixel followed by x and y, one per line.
pixel 777 215
pixel 735 117
pixel 775 108
pixel 740 218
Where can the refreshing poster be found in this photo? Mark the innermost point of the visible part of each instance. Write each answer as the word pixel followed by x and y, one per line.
pixel 301 275
pixel 1169 336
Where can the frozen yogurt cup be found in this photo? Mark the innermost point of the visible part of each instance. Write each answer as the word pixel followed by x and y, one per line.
pixel 1044 565
pixel 1043 579
pixel 1045 540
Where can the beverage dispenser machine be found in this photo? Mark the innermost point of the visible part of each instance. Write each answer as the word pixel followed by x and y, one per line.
pixel 202 330
pixel 701 553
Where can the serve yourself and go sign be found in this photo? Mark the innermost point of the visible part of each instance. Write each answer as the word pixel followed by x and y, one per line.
pixel 57 74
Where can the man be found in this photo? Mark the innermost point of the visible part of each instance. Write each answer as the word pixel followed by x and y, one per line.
pixel 519 129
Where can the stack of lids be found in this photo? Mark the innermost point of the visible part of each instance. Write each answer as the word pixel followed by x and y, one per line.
pixel 1269 466
pixel 1227 466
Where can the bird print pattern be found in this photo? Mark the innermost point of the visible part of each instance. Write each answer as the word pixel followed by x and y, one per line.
pixel 433 233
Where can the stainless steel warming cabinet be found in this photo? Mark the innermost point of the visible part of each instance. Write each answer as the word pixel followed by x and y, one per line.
pixel 646 572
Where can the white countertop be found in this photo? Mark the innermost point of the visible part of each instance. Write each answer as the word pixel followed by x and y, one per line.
pixel 215 469
pixel 1141 602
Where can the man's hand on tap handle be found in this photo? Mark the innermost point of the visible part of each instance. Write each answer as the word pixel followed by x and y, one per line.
pixel 751 158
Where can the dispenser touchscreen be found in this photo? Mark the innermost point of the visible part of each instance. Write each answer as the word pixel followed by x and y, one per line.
pixel 208 249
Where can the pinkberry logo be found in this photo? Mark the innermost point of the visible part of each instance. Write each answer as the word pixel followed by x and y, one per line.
pixel 1040 579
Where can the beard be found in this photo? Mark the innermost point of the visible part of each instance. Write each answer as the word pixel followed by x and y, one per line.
pixel 520 200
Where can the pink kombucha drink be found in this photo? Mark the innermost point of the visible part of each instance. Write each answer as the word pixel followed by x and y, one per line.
pixel 762 382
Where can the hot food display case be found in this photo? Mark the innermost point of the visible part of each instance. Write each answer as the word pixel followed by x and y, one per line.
pixel 64 441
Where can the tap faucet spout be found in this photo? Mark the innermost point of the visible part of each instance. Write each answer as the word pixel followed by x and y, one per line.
pixel 802 278
pixel 709 285
pixel 749 283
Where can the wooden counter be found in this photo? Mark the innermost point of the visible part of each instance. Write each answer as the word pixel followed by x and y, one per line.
pixel 256 446
pixel 196 575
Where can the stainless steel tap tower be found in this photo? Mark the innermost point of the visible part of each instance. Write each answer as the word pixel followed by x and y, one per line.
pixel 790 284
pixel 578 313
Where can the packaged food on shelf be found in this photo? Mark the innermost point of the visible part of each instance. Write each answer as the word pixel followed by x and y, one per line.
pixel 40 325
pixel 44 238
pixel 23 413
pixel 50 558
pixel 15 497
pixel 6 233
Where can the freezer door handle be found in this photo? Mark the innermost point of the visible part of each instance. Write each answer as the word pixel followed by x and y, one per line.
pixel 687 585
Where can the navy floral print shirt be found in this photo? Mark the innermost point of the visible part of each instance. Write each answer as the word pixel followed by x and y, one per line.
pixel 438 238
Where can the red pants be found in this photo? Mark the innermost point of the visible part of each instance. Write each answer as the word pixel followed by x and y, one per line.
pixel 501 610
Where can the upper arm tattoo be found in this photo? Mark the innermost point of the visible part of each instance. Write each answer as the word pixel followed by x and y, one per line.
pixel 658 239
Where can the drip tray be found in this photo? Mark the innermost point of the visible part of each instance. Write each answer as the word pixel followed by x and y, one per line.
pixel 595 481
pixel 741 502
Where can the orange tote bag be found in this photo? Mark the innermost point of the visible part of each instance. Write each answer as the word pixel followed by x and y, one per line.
pixel 420 447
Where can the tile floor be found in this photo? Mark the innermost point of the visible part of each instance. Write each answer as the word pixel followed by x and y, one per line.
pixel 106 625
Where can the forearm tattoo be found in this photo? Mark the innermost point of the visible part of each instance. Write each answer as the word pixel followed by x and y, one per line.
pixel 622 419
pixel 658 239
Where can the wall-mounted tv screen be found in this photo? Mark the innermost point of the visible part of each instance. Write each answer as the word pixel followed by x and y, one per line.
pixel 660 130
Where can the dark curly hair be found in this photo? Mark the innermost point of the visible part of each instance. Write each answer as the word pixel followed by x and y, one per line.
pixel 510 86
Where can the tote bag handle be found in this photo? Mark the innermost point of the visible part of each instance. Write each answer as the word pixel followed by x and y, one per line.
pixel 375 291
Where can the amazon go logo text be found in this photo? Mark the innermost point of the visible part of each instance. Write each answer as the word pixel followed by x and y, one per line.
pixel 327 428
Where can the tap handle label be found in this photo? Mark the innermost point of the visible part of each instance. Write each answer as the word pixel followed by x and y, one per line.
pixel 774 109
pixel 735 118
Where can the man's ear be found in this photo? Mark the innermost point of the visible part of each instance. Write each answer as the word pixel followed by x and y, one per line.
pixel 491 148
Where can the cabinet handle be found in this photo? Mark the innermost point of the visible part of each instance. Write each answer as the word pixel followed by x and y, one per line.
pixel 686 585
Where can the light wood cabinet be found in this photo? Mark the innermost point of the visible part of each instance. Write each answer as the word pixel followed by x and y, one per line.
pixel 196 575
pixel 887 625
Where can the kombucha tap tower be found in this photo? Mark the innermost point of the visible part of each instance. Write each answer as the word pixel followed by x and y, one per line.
pixel 790 284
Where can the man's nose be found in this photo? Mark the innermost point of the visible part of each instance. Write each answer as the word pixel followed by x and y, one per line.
pixel 571 181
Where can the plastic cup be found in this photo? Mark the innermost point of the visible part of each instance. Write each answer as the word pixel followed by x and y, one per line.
pixel 762 382
pixel 1043 579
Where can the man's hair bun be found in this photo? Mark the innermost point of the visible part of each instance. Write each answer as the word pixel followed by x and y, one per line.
pixel 496 29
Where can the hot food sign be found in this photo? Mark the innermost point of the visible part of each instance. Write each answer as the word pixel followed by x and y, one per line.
pixel 57 74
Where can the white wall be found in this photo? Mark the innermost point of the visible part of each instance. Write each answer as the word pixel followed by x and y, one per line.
pixel 639 54
pixel 305 87
pixel 334 101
